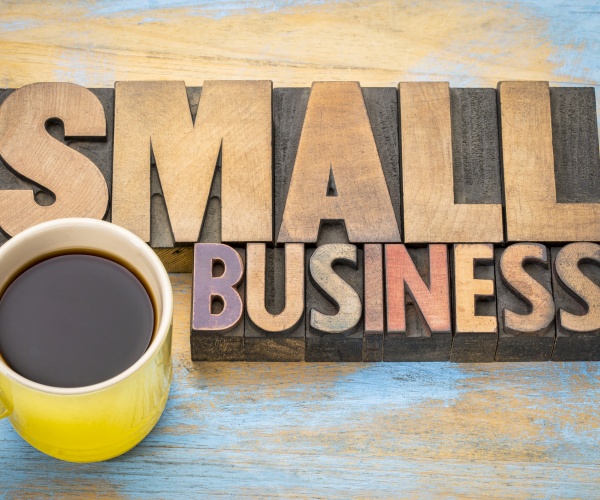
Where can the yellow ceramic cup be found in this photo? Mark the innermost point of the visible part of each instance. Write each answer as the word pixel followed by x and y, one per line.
pixel 101 421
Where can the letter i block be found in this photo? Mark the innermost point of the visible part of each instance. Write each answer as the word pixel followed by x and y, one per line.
pixel 334 291
pixel 576 283
pixel 419 327
pixel 217 303
pixel 526 327
pixel 475 324
pixel 274 323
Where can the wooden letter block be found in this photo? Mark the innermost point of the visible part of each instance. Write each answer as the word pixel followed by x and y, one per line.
pixel 526 328
pixel 217 303
pixel 576 283
pixel 54 180
pixel 539 205
pixel 232 123
pixel 334 292
pixel 338 173
pixel 274 327
pixel 374 317
pixel 432 213
pixel 476 328
pixel 418 304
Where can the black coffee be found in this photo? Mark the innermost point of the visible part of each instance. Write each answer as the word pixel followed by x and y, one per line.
pixel 74 320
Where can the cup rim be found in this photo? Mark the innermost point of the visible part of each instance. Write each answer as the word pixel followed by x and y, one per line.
pixel 164 324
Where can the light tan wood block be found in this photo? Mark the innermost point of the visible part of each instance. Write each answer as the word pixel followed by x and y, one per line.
pixel 532 213
pixel 475 334
pixel 338 173
pixel 79 187
pixel 233 117
pixel 430 213
pixel 256 285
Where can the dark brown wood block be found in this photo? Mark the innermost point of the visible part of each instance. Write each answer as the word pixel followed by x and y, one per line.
pixel 475 324
pixel 275 319
pixel 576 285
pixel 98 150
pixel 475 146
pixel 289 110
pixel 217 323
pixel 334 330
pixel 374 303
pixel 419 326
pixel 526 327
pixel 575 144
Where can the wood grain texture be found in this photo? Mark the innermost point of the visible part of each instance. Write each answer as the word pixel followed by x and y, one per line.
pixel 337 173
pixel 334 294
pixel 73 185
pixel 576 284
pixel 274 324
pixel 475 325
pixel 217 324
pixel 431 214
pixel 354 429
pixel 233 118
pixel 374 303
pixel 526 327
pixel 419 326
pixel 532 210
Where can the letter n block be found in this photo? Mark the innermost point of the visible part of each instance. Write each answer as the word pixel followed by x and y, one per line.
pixel 419 327
pixel 217 303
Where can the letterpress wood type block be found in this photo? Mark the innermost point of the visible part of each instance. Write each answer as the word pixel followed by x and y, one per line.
pixel 551 162
pixel 475 324
pixel 334 292
pixel 374 308
pixel 211 167
pixel 337 164
pixel 56 154
pixel 576 285
pixel 450 164
pixel 274 324
pixel 419 326
pixel 217 323
pixel 526 328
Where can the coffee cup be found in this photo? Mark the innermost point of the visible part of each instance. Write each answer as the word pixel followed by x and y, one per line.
pixel 100 421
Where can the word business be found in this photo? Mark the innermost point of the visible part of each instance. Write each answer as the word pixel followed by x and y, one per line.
pixel 335 223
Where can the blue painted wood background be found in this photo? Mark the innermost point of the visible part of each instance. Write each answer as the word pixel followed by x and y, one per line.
pixel 325 430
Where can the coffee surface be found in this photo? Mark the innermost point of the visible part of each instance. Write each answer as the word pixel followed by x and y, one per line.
pixel 74 320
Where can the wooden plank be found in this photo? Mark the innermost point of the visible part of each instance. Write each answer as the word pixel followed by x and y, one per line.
pixel 337 173
pixel 274 323
pixel 431 212
pixel 233 117
pixel 475 324
pixel 419 326
pixel 79 188
pixel 534 211
pixel 374 305
pixel 334 292
pixel 576 282
pixel 526 327
pixel 217 325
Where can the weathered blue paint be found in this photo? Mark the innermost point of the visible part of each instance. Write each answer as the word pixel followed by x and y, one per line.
pixel 216 10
